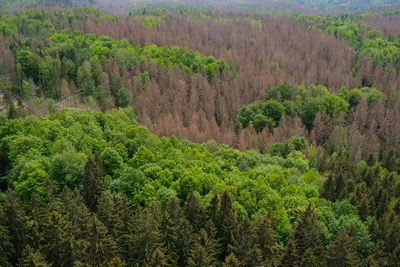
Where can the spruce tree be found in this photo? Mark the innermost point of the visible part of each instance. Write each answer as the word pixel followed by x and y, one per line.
pixel 343 251
pixel 146 236
pixel 57 243
pixel 228 225
pixel 194 212
pixel 76 212
pixel 33 258
pixel 266 239
pixel 170 229
pixel 378 257
pixel 231 261
pixel 101 247
pixel 308 237
pixel 291 256
pixel 7 250
pixel 158 259
pixel 122 221
pixel 14 218
pixel 92 183
pixel 212 210
pixel 203 251
pixel 246 247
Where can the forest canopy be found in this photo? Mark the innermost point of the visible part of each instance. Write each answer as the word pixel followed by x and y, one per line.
pixel 181 136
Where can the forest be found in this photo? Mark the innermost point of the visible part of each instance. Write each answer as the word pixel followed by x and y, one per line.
pixel 199 133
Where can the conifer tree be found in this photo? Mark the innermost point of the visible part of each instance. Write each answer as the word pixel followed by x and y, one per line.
pixel 198 256
pixel 343 251
pixel 291 256
pixel 114 262
pixel 12 112
pixel 158 259
pixel 76 212
pixel 146 236
pixel 57 244
pixel 308 237
pixel 33 259
pixel 170 227
pixel 101 247
pixel 231 261
pixel 266 239
pixel 92 183
pixel 246 247
pixel 203 252
pixel 378 257
pixel 229 225
pixel 212 210
pixel 339 175
pixel 394 257
pixel 38 218
pixel 7 249
pixel 14 219
pixel 122 221
pixel 194 212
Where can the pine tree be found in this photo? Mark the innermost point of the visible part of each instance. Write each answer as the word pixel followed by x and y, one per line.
pixel 7 250
pixel 231 261
pixel 158 259
pixel 343 251
pixel 266 239
pixel 146 236
pixel 114 262
pixel 76 212
pixel 186 240
pixel 394 258
pixel 14 219
pixel 170 227
pixel 57 244
pixel 101 247
pixel 339 175
pixel 194 212
pixel 229 225
pixel 38 218
pixel 246 247
pixel 291 256
pixel 361 200
pixel 33 259
pixel 212 210
pixel 378 257
pixel 203 252
pixel 92 183
pixel 308 237
pixel 122 227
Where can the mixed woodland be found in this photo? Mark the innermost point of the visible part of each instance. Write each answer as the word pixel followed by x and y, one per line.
pixel 172 136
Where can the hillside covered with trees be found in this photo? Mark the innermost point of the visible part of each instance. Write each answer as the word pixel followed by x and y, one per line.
pixel 270 6
pixel 174 136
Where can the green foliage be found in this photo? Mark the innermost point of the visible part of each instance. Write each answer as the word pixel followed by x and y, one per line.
pixel 58 146
pixel 361 37
pixel 306 104
pixel 79 59
pixel 150 22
